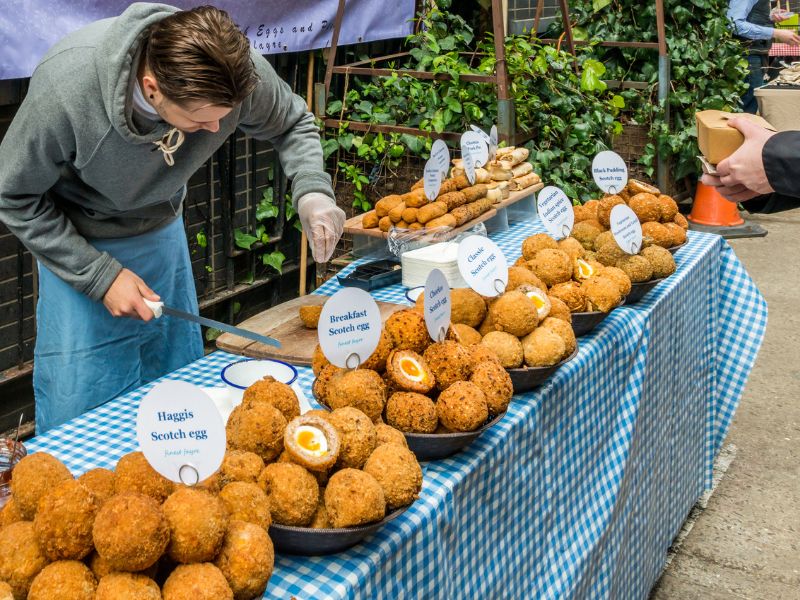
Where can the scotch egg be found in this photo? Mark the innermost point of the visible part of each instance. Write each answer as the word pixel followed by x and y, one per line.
pixel 583 270
pixel 312 442
pixel 540 300
pixel 408 371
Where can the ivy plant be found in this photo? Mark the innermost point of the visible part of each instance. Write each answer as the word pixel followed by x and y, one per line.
pixel 560 100
pixel 266 211
pixel 708 70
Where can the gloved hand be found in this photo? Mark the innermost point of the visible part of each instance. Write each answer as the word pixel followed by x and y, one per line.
pixel 323 223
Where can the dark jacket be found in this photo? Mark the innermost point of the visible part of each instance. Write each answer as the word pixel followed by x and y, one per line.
pixel 781 156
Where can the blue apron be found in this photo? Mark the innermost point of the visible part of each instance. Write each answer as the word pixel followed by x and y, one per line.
pixel 85 357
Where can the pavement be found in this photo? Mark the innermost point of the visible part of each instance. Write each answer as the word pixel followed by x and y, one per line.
pixel 745 543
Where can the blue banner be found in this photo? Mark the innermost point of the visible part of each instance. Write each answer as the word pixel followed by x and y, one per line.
pixel 29 27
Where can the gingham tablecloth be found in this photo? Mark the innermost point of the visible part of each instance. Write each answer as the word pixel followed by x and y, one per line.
pixel 578 491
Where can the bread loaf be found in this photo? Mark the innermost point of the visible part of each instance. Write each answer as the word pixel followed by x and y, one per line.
pixel 431 211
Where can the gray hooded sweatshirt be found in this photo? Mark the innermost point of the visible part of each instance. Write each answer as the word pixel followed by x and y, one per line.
pixel 77 164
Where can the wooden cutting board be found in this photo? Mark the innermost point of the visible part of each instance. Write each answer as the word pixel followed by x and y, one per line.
pixel 283 323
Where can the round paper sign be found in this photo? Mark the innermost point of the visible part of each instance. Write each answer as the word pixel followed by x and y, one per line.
pixel 469 167
pixel 626 228
pixel 555 211
pixel 349 327
pixel 437 305
pixel 440 154
pixel 483 265
pixel 482 133
pixel 180 432
pixel 610 172
pixel 432 179
pixel 473 143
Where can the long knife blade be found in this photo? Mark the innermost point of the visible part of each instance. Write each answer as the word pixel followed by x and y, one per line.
pixel 221 326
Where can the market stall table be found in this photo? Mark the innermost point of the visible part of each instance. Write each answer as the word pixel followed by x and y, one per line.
pixel 578 491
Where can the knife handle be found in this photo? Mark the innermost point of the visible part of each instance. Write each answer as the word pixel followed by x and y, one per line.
pixel 154 306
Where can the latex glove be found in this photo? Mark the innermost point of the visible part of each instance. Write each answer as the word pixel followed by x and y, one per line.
pixel 323 223
pixel 125 297
pixel 742 175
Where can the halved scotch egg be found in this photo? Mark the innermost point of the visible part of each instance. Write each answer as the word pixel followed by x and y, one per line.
pixel 312 442
pixel 583 270
pixel 408 371
pixel 540 300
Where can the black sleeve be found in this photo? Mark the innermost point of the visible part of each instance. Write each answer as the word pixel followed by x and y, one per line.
pixel 781 156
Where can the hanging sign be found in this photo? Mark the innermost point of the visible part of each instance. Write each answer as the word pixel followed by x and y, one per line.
pixel 180 432
pixel 555 212
pixel 610 172
pixel 482 133
pixel 440 155
pixel 437 305
pixel 626 228
pixel 474 143
pixel 432 179
pixel 483 265
pixel 469 167
pixel 349 327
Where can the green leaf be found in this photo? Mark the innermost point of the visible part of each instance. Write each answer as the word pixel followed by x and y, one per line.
pixel 346 141
pixel 243 240
pixel 415 144
pixel 599 4
pixel 298 226
pixel 275 260
pixel 580 33
pixel 212 334
pixel 201 239
pixel 237 307
pixel 617 101
pixel 334 108
pixel 590 77
pixel 249 278
pixel 266 210
pixel 447 43
pixel 329 146
pixel 453 104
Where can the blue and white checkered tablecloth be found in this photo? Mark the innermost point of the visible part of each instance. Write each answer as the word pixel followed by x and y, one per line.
pixel 578 491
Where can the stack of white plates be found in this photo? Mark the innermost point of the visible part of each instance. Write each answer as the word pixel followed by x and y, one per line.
pixel 417 264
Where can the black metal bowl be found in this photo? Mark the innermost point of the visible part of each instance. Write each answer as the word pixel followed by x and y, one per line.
pixel 306 541
pixel 584 322
pixel 639 290
pixel 674 249
pixel 527 378
pixel 434 446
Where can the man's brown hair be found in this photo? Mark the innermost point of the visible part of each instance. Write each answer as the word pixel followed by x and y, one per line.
pixel 200 54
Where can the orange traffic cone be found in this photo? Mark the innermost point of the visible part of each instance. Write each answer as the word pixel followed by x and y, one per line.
pixel 711 209
pixel 714 214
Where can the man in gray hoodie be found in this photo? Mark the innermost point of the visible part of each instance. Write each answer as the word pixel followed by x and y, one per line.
pixel 93 174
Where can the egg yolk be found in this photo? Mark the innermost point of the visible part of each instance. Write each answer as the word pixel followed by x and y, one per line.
pixel 311 440
pixel 537 300
pixel 411 368
pixel 308 441
pixel 585 269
